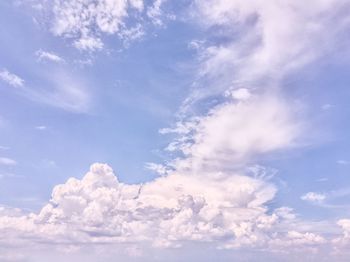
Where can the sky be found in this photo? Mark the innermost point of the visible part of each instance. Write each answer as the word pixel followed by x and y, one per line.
pixel 159 130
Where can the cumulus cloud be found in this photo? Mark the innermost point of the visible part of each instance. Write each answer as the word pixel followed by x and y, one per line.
pixel 313 197
pixel 11 78
pixel 165 211
pixel 342 243
pixel 226 210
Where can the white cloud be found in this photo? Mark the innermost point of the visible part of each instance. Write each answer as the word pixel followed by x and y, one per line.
pixel 225 210
pixel 155 12
pixel 158 168
pixel 165 212
pixel 240 94
pixel 130 35
pixel 202 199
pixel 313 197
pixel 343 242
pixel 232 133
pixel 7 161
pixel 11 78
pixel 49 56
pixel 264 41
pixel 299 240
pixel 88 43
pixel 85 21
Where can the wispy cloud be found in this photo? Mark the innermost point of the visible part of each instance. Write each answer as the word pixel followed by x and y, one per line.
pixel 63 90
pixel 48 56
pixel 7 161
pixel 11 78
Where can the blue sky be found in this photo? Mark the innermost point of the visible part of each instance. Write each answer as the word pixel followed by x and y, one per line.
pixel 226 123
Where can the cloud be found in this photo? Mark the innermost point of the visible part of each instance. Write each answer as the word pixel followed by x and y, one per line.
pixel 7 161
pixel 228 211
pixel 155 12
pixel 240 94
pixel 205 197
pixel 256 35
pixel 158 168
pixel 235 132
pixel 313 197
pixel 63 90
pixel 85 22
pixel 343 242
pixel 48 56
pixel 41 127
pixel 165 212
pixel 11 78
pixel 58 88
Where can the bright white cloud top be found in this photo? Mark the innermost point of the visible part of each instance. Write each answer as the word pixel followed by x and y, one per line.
pixel 223 99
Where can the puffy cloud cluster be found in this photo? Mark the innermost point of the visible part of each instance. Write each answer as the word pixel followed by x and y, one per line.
pixel 86 20
pixel 230 211
pixel 344 240
pixel 99 209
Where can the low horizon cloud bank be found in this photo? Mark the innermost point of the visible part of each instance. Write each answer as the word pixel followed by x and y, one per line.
pixel 229 211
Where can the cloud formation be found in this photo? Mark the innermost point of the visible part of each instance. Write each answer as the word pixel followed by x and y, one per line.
pixel 11 78
pixel 263 41
pixel 85 21
pixel 204 195
pixel 313 197
pixel 165 211
pixel 48 56
pixel 229 211
pixel 234 132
